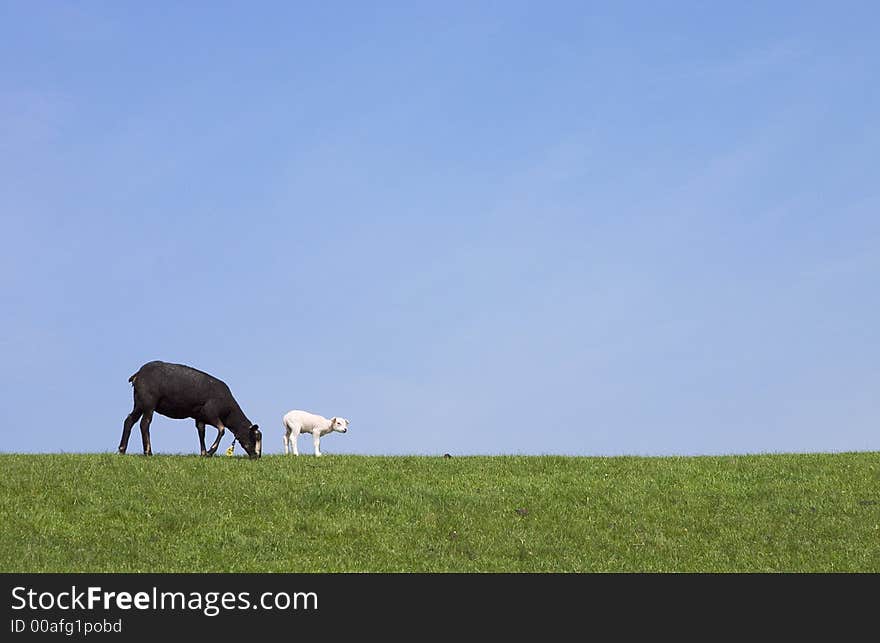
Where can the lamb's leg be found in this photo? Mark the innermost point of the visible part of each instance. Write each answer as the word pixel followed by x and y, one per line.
pixel 200 426
pixel 145 431
pixel 220 431
pixel 316 435
pixel 130 419
pixel 294 437
pixel 286 439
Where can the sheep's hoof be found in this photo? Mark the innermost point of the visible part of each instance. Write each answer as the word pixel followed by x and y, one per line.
pixel 204 453
pixel 121 450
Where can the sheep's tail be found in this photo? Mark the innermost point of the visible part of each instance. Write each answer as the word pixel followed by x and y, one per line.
pixel 132 378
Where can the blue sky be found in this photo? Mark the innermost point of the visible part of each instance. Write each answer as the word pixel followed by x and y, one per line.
pixel 475 228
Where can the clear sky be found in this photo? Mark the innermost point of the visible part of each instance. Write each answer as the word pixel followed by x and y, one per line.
pixel 470 227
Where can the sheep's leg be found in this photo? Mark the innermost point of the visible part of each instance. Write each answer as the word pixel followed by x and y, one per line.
pixel 220 431
pixel 290 438
pixel 293 438
pixel 316 435
pixel 145 431
pixel 132 417
pixel 200 427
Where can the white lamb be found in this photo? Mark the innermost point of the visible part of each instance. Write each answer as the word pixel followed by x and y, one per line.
pixel 296 422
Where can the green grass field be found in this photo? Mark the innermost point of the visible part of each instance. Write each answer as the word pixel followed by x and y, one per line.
pixel 109 513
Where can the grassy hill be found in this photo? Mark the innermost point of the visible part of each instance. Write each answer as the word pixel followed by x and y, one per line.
pixel 108 513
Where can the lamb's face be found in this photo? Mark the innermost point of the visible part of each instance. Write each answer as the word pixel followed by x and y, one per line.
pixel 339 424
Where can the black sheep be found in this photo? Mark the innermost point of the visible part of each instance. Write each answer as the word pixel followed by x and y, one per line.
pixel 178 392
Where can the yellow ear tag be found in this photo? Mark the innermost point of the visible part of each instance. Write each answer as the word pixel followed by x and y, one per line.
pixel 230 449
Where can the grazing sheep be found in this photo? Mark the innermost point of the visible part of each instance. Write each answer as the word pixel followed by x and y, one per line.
pixel 178 392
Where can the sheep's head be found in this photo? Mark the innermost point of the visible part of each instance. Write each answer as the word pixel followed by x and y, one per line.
pixel 339 424
pixel 251 440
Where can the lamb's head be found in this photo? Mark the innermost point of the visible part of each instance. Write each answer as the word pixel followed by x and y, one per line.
pixel 339 425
